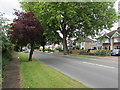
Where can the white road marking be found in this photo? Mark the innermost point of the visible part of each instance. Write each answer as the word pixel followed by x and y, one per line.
pixel 99 65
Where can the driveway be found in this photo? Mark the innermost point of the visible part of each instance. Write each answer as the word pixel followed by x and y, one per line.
pixel 91 72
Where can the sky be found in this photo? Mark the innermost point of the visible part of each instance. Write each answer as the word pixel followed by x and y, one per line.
pixel 7 7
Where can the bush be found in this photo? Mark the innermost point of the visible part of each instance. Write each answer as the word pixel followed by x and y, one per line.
pixel 77 48
pixel 101 53
pixel 48 49
pixel 6 58
pixel 83 52
pixel 60 49
pixel 91 53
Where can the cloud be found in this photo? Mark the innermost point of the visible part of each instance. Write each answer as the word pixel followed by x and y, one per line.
pixel 7 7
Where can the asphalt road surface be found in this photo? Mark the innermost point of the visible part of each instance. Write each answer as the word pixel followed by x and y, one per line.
pixel 93 73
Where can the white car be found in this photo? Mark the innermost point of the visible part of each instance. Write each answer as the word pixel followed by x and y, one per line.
pixel 116 52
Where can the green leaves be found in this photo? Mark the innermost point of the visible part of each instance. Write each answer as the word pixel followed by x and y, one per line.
pixel 4 38
pixel 74 18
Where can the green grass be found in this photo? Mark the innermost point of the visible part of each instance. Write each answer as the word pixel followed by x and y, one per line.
pixel 57 53
pixel 35 74
pixel 76 55
pixel 84 56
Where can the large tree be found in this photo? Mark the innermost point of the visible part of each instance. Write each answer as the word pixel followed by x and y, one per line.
pixel 72 19
pixel 26 29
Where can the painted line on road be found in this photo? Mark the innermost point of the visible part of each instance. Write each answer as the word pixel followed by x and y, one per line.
pixel 99 65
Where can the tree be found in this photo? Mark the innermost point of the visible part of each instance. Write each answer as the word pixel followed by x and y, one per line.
pixel 27 29
pixel 73 19
pixel 5 44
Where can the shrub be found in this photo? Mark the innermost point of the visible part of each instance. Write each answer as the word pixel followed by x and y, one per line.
pixel 101 53
pixel 60 49
pixel 83 52
pixel 70 51
pixel 48 49
pixel 6 58
pixel 77 48
pixel 92 53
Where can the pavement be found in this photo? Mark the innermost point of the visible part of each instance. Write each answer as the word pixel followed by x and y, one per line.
pixel 101 72
pixel 12 75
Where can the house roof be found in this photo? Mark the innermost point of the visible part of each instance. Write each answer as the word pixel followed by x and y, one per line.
pixel 88 40
pixel 110 34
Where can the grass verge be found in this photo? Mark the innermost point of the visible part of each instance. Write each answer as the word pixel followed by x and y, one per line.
pixel 84 56
pixel 35 74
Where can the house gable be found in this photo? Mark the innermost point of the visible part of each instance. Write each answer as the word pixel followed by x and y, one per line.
pixel 116 34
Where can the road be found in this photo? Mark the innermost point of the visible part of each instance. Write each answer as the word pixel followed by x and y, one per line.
pixel 93 73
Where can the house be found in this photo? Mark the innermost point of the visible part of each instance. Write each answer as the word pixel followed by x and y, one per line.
pixel 109 41
pixel 53 46
pixel 85 44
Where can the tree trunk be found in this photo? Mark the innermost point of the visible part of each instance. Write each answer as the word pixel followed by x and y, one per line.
pixel 43 48
pixel 31 52
pixel 21 48
pixel 65 48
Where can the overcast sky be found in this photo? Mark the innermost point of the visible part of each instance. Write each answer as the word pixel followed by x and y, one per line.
pixel 7 6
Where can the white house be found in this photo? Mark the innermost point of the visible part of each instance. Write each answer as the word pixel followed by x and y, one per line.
pixel 110 41
pixel 85 44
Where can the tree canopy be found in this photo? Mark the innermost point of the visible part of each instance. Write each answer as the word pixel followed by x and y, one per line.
pixel 26 29
pixel 73 19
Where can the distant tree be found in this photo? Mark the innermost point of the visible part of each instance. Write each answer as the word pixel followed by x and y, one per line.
pixel 73 19
pixel 27 29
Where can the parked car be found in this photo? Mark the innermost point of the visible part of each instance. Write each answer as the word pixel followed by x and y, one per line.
pixel 25 50
pixel 115 52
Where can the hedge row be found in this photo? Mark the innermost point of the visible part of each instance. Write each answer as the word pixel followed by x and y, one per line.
pixel 99 53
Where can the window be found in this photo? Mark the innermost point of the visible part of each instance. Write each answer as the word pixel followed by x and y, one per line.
pixel 116 47
pixel 117 39
pixel 106 40
pixel 106 48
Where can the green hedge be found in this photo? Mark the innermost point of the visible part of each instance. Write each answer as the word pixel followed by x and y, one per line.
pixel 84 52
pixel 6 58
pixel 48 49
pixel 101 53
pixel 60 49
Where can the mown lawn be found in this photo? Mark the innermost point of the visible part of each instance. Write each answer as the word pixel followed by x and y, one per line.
pixel 35 74
pixel 84 56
